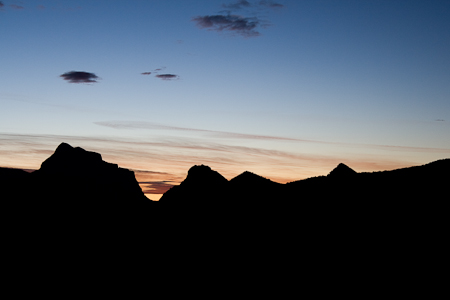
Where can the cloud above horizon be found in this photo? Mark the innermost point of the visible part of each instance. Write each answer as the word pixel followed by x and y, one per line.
pixel 234 135
pixel 270 4
pixel 238 24
pixel 238 5
pixel 14 6
pixel 79 77
pixel 162 76
pixel 167 76
pixel 241 4
pixel 155 187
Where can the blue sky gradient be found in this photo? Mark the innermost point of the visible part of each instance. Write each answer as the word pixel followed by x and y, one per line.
pixel 314 83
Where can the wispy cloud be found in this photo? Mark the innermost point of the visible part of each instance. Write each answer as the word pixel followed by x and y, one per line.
pixel 235 135
pixel 162 76
pixel 237 5
pixel 79 77
pixel 270 4
pixel 222 134
pixel 238 24
pixel 1 4
pixel 167 76
pixel 14 6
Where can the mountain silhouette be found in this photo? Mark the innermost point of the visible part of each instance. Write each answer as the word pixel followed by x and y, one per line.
pixel 75 172
pixel 342 171
pixel 73 184
pixel 76 179
pixel 78 213
pixel 341 184
pixel 251 187
pixel 200 185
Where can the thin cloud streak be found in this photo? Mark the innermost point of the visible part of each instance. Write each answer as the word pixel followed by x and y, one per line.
pixel 270 4
pixel 14 6
pixel 238 5
pixel 156 187
pixel 233 135
pixel 222 134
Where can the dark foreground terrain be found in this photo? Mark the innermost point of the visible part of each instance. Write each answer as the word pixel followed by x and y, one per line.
pixel 79 222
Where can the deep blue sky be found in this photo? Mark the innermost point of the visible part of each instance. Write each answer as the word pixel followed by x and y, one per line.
pixel 295 88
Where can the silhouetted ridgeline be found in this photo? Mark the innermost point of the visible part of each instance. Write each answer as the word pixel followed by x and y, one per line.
pixel 83 179
pixel 78 212
pixel 203 185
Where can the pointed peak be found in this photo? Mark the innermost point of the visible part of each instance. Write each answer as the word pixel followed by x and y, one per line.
pixel 250 178
pixel 246 174
pixel 342 170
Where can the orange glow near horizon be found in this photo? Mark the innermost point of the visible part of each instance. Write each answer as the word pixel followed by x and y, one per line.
pixel 159 165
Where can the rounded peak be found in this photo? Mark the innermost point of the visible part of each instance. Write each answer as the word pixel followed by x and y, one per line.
pixel 199 168
pixel 205 173
pixel 63 147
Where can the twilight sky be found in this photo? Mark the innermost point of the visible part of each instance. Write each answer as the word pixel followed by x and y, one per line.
pixel 286 89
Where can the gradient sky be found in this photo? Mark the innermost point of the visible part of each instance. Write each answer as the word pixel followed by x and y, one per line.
pixel 286 89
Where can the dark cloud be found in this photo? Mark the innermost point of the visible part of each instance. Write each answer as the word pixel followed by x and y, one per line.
pixel 1 4
pixel 270 4
pixel 162 76
pixel 79 77
pixel 238 5
pixel 167 76
pixel 240 25
pixel 14 6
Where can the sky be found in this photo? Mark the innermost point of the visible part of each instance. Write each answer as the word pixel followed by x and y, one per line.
pixel 286 89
